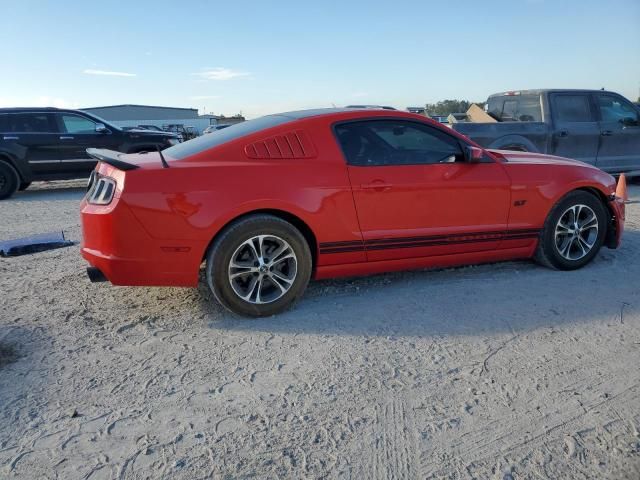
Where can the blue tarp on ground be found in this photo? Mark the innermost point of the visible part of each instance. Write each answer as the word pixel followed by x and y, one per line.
pixel 33 244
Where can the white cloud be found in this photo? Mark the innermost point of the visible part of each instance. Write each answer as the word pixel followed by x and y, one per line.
pixel 220 73
pixel 90 71
pixel 204 97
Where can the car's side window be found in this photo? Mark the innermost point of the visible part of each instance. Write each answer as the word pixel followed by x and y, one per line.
pixel 30 123
pixel 77 124
pixel 396 142
pixel 572 108
pixel 615 109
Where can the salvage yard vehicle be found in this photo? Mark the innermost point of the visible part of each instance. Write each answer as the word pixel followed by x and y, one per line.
pixel 155 128
pixel 214 128
pixel 185 132
pixel 272 202
pixel 51 144
pixel 595 126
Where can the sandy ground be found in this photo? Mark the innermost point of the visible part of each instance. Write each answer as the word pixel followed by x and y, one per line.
pixel 507 371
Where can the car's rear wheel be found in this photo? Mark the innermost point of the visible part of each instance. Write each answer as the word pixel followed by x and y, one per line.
pixel 573 232
pixel 259 266
pixel 9 180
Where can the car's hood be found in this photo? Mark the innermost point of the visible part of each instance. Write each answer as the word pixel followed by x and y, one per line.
pixel 537 158
pixel 151 133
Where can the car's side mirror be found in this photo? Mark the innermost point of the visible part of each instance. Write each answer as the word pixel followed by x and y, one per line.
pixel 629 122
pixel 474 154
pixel 101 128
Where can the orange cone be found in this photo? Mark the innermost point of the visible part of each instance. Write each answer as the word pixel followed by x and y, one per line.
pixel 621 188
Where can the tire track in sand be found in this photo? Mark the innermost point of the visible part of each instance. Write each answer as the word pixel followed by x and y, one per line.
pixel 395 442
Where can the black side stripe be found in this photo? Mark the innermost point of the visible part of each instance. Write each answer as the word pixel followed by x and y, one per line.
pixel 432 241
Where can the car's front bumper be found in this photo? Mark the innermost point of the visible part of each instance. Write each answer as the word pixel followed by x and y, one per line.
pixel 614 236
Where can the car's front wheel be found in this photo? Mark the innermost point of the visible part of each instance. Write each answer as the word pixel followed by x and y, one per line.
pixel 259 266
pixel 9 180
pixel 573 232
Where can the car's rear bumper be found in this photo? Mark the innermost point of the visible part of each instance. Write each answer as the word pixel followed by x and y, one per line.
pixel 116 243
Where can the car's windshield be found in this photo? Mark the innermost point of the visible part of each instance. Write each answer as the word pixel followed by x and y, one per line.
pixel 220 136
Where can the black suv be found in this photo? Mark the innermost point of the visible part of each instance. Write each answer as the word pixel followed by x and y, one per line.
pixel 51 144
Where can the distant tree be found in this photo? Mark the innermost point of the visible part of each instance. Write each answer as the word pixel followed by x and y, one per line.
pixel 445 107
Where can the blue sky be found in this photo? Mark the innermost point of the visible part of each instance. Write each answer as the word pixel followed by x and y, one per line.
pixel 261 57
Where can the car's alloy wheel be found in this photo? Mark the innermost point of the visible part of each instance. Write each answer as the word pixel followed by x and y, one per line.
pixel 262 269
pixel 259 265
pixel 573 232
pixel 576 232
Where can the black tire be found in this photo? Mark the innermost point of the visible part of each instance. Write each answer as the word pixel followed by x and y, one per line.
pixel 24 186
pixel 228 244
pixel 549 253
pixel 9 180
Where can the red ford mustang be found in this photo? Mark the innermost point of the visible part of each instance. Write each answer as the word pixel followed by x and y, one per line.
pixel 272 202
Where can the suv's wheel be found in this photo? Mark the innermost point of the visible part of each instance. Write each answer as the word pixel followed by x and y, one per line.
pixel 9 180
pixel 259 266
pixel 573 232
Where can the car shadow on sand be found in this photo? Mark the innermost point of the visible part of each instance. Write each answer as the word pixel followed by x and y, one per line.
pixel 475 300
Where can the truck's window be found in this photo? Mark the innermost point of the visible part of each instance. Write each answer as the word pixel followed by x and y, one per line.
pixel 572 108
pixel 515 108
pixel 396 142
pixel 615 109
pixel 509 111
pixel 494 107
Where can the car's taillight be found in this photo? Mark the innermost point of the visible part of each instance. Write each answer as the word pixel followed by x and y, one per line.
pixel 101 189
pixel 92 179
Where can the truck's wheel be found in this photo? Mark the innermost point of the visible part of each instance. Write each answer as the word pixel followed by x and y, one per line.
pixel 9 180
pixel 573 232
pixel 259 266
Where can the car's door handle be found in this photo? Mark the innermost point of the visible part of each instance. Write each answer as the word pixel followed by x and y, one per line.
pixel 66 138
pixel 11 138
pixel 606 133
pixel 378 185
pixel 563 133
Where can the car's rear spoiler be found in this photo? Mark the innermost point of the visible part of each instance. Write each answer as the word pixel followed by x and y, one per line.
pixel 111 157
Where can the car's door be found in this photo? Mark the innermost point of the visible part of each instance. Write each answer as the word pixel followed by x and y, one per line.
pixel 619 133
pixel 415 194
pixel 77 134
pixel 34 136
pixel 576 131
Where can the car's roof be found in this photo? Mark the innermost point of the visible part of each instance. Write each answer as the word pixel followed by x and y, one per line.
pixel 318 112
pixel 35 109
pixel 547 90
pixel 312 112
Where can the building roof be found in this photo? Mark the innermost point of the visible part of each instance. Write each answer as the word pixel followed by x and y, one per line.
pixel 139 106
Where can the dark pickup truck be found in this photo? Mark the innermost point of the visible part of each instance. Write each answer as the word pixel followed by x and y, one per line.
pixel 595 126
pixel 51 144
